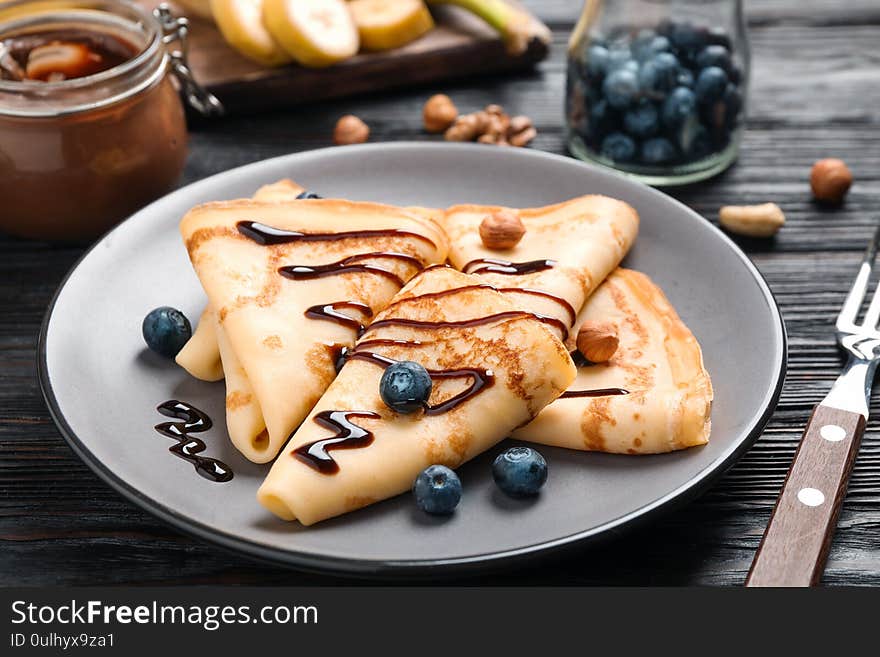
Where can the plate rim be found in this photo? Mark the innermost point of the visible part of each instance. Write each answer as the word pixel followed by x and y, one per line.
pixel 421 568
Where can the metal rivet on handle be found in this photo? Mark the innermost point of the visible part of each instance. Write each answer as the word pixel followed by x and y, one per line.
pixel 811 496
pixel 832 433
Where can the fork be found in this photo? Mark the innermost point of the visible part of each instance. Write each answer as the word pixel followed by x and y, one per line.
pixel 796 542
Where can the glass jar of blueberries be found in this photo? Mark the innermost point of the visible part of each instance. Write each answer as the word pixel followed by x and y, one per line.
pixel 657 88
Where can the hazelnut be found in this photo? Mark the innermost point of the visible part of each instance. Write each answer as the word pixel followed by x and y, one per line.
pixel 439 113
pixel 350 130
pixel 830 180
pixel 467 127
pixel 501 230
pixel 519 123
pixel 523 138
pixel 597 341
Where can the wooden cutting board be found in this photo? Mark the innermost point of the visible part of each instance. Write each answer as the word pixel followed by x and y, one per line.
pixel 460 45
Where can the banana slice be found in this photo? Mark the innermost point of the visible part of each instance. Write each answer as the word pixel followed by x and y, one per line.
pixel 241 24
pixel 315 32
pixel 387 24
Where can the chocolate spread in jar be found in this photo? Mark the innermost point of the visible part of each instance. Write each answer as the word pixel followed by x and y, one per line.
pixel 58 55
pixel 73 174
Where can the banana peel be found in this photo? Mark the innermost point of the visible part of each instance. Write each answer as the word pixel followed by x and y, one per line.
pixel 516 26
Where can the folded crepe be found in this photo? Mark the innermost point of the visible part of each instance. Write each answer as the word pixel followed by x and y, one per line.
pixel 494 367
pixel 289 284
pixel 566 252
pixel 200 356
pixel 658 363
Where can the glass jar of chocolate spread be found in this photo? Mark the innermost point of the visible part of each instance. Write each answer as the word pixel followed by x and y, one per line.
pixel 92 125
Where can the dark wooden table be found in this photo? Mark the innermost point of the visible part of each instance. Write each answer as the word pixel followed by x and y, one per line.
pixel 815 93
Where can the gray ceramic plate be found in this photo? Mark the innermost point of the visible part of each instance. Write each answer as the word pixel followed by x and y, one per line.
pixel 102 386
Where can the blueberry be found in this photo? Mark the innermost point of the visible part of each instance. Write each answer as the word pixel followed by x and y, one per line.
pixel 437 490
pixel 618 146
pixel 597 61
pixel 690 136
pixel 644 51
pixel 714 56
pixel 718 36
pixel 603 119
pixel 405 386
pixel 711 83
pixel 733 103
pixel 700 145
pixel 642 121
pixel 658 150
pixel 659 73
pixel 685 78
pixel 166 330
pixel 735 74
pixel 620 88
pixel 678 106
pixel 520 471
pixel 307 195
pixel 686 37
pixel 619 58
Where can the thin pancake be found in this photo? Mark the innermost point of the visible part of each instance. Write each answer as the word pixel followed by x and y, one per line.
pixel 658 362
pixel 583 239
pixel 463 331
pixel 286 357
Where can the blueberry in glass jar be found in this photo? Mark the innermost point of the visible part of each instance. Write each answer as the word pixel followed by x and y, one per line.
pixel 658 150
pixel 648 44
pixel 618 58
pixel 659 74
pixel 619 147
pixel 603 119
pixel 643 120
pixel 686 37
pixel 714 56
pixel 678 106
pixel 685 78
pixel 621 88
pixel 657 96
pixel 597 62
pixel 710 85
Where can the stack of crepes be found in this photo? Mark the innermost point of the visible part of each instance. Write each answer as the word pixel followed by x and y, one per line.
pixel 310 299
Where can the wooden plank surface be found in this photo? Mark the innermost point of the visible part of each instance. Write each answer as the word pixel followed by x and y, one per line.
pixel 459 45
pixel 815 94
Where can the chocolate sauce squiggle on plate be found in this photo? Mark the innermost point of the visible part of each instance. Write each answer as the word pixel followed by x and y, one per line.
pixel 187 447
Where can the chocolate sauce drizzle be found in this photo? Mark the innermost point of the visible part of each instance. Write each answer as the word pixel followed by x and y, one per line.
pixel 597 392
pixel 485 286
pixel 187 447
pixel 498 266
pixel 348 435
pixel 350 264
pixel 330 312
pixel 268 235
pixel 468 323
pixel 481 379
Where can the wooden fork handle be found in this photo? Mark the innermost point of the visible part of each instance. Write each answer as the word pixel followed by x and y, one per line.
pixel 796 541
